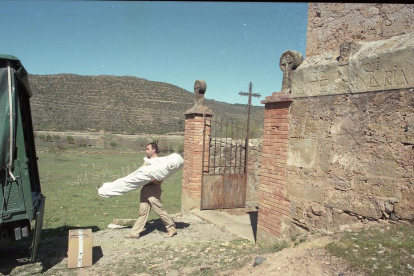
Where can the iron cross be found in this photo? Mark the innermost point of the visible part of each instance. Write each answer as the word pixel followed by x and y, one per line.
pixel 250 95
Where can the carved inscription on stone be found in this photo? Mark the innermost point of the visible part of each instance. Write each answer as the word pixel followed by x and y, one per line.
pixel 320 80
pixel 384 72
pixel 368 67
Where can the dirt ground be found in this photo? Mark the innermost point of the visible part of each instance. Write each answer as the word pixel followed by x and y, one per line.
pixel 199 248
pixel 309 258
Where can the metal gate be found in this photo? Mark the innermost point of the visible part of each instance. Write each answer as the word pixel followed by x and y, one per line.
pixel 224 177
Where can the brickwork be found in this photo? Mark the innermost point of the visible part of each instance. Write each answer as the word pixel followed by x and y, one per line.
pixel 193 152
pixel 273 203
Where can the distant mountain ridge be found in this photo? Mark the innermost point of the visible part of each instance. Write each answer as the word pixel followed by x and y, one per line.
pixel 129 105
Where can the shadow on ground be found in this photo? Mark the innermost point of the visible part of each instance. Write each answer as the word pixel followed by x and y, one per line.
pixel 253 220
pixel 51 251
pixel 157 224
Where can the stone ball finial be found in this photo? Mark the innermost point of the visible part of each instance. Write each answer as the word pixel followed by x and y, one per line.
pixel 290 60
pixel 200 88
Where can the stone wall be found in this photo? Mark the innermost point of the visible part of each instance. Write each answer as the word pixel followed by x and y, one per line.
pixel 351 158
pixel 329 24
pixel 351 146
pixel 350 124
pixel 253 172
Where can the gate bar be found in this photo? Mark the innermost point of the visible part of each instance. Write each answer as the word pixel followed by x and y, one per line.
pixel 209 147
pixel 202 160
pixel 231 144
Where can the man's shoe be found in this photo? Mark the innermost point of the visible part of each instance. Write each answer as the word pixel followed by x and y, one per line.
pixel 172 232
pixel 131 236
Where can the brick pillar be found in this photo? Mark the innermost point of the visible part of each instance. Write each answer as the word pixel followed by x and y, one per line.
pixel 274 205
pixel 193 152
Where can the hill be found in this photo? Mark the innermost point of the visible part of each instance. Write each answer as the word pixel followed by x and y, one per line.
pixel 128 105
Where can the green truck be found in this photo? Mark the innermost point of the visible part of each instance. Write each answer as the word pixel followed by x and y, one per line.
pixel 21 200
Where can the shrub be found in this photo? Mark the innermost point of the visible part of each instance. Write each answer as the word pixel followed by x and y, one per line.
pixel 164 145
pixel 60 144
pixel 82 142
pixel 131 130
pixel 140 143
pixel 180 148
pixel 70 140
pixel 256 129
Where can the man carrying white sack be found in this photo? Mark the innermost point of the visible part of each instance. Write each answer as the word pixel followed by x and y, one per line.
pixel 149 177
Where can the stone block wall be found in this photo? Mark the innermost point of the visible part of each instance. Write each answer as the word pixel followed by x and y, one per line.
pixel 253 172
pixel 351 153
pixel 330 24
pixel 351 158
pixel 350 149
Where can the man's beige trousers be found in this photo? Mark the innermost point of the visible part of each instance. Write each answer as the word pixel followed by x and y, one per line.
pixel 151 197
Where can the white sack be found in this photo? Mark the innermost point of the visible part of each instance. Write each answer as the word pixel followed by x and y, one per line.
pixel 159 168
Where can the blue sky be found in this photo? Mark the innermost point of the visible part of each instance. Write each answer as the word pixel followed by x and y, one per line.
pixel 228 44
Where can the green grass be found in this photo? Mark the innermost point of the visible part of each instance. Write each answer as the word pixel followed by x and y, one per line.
pixel 70 180
pixel 378 251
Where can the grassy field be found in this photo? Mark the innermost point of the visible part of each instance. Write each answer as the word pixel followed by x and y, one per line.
pixel 387 250
pixel 70 179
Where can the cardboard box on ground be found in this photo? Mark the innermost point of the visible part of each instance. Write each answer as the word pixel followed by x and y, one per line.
pixel 80 248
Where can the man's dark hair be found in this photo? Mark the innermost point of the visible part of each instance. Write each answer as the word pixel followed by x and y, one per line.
pixel 154 146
